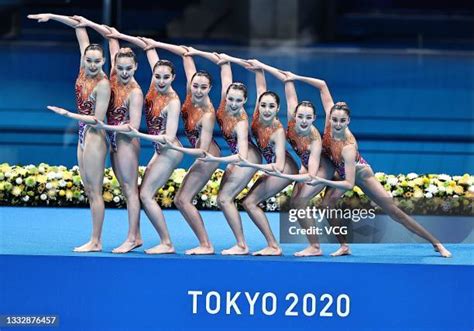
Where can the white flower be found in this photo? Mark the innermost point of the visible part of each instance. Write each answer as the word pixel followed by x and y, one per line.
pixel 433 189
pixel 428 195
pixel 195 202
pixel 62 183
pixel 455 196
pixel 471 189
pixel 116 199
pixel 395 193
pixel 75 168
pixel 19 180
pixel 8 174
pixel 213 201
pixel 442 188
pixel 412 175
pixel 139 180
pixel 26 198
pixel 272 199
pixel 41 169
pixel 81 198
pixel 51 175
pixel 106 180
pixel 59 175
pixel 444 177
pixel 392 181
pixel 49 186
pixel 43 196
pixel 203 197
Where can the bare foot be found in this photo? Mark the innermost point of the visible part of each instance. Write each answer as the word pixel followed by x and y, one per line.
pixel 268 251
pixel 200 250
pixel 343 250
pixel 127 246
pixel 310 251
pixel 236 250
pixel 161 249
pixel 90 246
pixel 442 250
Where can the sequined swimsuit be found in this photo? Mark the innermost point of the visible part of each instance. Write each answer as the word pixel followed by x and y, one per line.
pixel 119 106
pixel 333 150
pixel 85 99
pixel 301 144
pixel 262 137
pixel 192 116
pixel 156 118
pixel 227 124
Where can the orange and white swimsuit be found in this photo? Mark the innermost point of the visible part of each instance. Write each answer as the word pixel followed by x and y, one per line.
pixel 119 106
pixel 333 150
pixel 85 99
pixel 301 144
pixel 192 116
pixel 156 117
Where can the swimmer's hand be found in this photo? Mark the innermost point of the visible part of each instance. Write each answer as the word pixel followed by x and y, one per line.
pixel 113 32
pixel 289 76
pixel 82 21
pixel 243 162
pixel 98 124
pixel 207 157
pixel 223 58
pixel 149 43
pixel 274 171
pixel 131 132
pixel 41 18
pixel 191 51
pixel 59 110
pixel 313 180
pixel 255 64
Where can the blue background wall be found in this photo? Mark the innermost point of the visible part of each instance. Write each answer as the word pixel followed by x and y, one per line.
pixel 411 112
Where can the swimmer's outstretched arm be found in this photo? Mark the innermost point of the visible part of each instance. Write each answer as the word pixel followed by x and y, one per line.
pixel 67 20
pixel 321 85
pixel 349 155
pixel 102 103
pixel 213 57
pixel 106 32
pixel 81 32
pixel 178 50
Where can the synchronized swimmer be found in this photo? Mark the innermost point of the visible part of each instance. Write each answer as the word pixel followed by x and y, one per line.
pixel 109 109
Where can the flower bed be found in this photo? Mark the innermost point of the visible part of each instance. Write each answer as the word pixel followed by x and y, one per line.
pixel 46 185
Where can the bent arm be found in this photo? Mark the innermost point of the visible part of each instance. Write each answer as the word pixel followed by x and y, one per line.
pixel 207 129
pixel 321 85
pixel 349 155
pixel 172 119
pixel 102 99
pixel 135 111
pixel 314 157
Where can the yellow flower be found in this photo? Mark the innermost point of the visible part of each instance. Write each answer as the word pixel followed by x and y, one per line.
pixel 69 195
pixel 16 191
pixel 41 179
pixel 458 189
pixel 67 175
pixel 69 184
pixel 418 181
pixel 171 189
pixel 107 196
pixel 167 201
pixel 418 194
pixel 357 190
pixel 62 193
